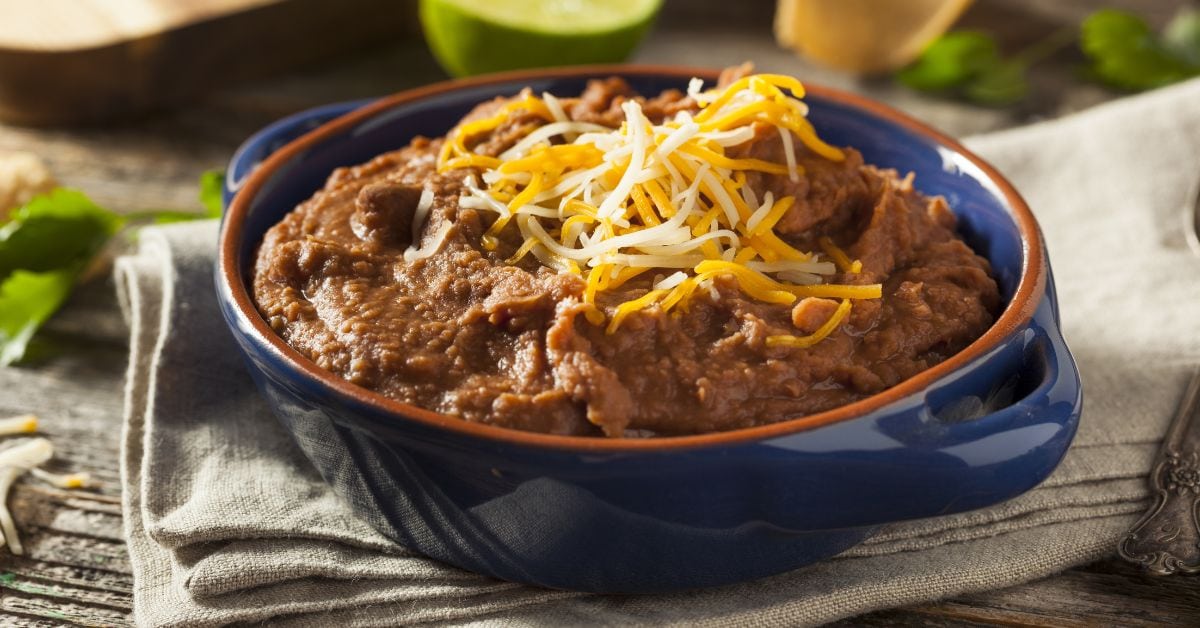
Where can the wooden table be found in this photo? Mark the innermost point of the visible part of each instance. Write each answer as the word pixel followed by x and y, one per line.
pixel 76 569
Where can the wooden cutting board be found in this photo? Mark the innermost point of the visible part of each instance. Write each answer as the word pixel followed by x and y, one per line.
pixel 76 61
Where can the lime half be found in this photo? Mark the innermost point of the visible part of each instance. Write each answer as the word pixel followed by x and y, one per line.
pixel 478 36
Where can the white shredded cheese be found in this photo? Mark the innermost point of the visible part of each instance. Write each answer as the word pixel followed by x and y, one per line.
pixel 546 132
pixel 732 137
pixel 555 107
pixel 27 454
pixel 23 424
pixel 431 246
pixel 798 277
pixel 760 213
pixel 789 154
pixel 635 124
pixel 62 480
pixel 14 461
pixel 672 280
pixel 677 139
pixel 721 196
pixel 648 261
pixel 611 203
pixel 421 213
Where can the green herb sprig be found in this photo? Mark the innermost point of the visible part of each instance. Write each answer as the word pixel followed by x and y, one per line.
pixel 1122 50
pixel 1127 55
pixel 968 65
pixel 46 245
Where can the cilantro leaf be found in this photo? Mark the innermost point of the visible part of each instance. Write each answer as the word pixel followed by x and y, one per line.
pixel 950 61
pixel 211 185
pixel 43 246
pixel 27 299
pixel 1126 54
pixel 55 230
pixel 46 244
pixel 967 64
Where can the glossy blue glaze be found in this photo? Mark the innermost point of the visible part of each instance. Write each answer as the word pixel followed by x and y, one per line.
pixel 650 521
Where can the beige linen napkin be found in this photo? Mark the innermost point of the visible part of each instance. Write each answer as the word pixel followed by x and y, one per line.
pixel 227 522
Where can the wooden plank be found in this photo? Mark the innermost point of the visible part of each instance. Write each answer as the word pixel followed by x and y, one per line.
pixel 59 611
pixel 11 618
pixel 82 578
pixel 57 25
pixel 60 513
pixel 74 551
pixel 131 56
pixel 1108 592
pixel 98 598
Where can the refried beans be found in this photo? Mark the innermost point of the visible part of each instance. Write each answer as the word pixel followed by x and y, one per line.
pixel 387 278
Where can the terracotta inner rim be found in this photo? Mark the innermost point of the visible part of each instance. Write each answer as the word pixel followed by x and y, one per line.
pixel 1030 287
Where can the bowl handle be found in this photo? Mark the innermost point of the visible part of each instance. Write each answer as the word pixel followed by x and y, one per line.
pixel 1001 453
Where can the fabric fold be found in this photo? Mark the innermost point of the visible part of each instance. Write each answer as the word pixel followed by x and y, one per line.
pixel 227 521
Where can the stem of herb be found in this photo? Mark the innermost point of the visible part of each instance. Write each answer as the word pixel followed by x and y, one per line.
pixel 1045 48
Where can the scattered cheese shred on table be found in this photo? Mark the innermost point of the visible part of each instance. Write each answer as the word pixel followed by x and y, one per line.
pixel 612 204
pixel 62 480
pixel 25 456
pixel 24 424
pixel 14 461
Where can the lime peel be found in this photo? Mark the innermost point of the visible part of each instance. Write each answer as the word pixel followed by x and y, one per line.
pixel 562 17
pixel 470 38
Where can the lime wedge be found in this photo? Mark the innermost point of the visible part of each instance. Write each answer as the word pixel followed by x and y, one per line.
pixel 474 37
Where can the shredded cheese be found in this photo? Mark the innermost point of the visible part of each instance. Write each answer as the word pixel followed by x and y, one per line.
pixel 838 256
pixel 23 457
pixel 804 342
pixel 62 480
pixel 14 461
pixel 24 424
pixel 613 204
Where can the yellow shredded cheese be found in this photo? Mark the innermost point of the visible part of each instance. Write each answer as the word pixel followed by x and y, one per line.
pixel 613 204
pixel 628 307
pixel 838 256
pixel 804 342
pixel 839 291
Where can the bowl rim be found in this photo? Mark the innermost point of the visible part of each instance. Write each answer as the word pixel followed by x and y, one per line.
pixel 1019 311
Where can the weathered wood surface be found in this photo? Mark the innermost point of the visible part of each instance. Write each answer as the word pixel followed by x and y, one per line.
pixel 76 570
pixel 133 55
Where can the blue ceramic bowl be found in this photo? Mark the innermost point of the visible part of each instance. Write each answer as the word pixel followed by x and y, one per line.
pixel 651 515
